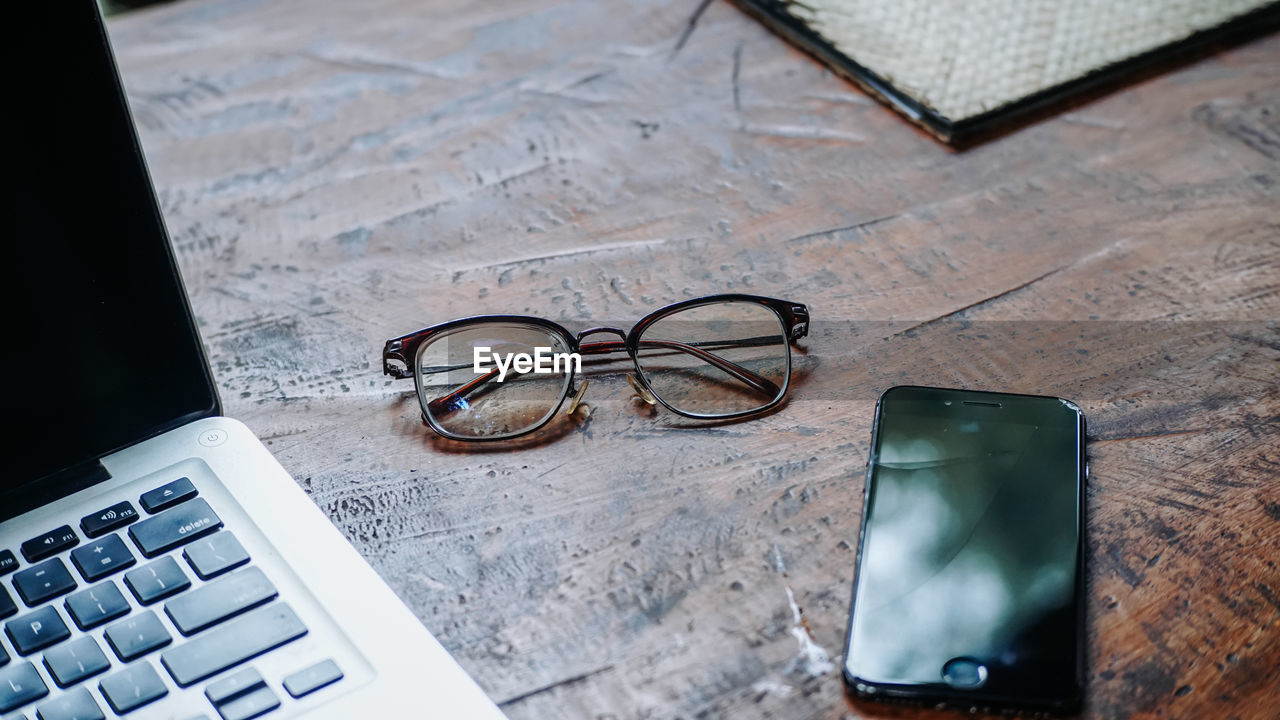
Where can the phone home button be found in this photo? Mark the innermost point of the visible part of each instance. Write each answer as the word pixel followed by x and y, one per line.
pixel 963 672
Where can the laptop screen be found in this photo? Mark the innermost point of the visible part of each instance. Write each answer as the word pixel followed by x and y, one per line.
pixel 104 350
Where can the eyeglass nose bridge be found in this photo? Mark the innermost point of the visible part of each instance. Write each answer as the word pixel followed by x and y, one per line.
pixel 597 330
pixel 591 348
pixel 637 385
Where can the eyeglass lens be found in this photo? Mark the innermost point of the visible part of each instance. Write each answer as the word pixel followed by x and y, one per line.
pixel 494 403
pixel 716 360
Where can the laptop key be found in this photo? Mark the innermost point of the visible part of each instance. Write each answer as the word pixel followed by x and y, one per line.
pixel 101 558
pixel 234 686
pixel 36 630
pixel 20 685
pixel 79 659
pixel 174 527
pixel 250 705
pixel 309 680
pixel 42 582
pixel 157 580
pixel 130 689
pixel 232 643
pixel 7 606
pixel 8 563
pixel 108 519
pixel 4 657
pixel 168 495
pixel 75 705
pixel 96 605
pixel 215 554
pixel 137 636
pixel 50 543
pixel 219 600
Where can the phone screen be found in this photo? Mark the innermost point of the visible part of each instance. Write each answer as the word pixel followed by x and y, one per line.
pixel 968 582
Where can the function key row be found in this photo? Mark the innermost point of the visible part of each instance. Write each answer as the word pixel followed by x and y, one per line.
pixel 50 543
pixel 108 519
pixel 166 496
pixel 8 563
pixel 99 523
pixel 173 528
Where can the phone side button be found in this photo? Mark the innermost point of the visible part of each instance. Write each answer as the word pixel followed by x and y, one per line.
pixel 963 672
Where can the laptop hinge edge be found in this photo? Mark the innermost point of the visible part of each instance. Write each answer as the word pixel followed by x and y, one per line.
pixel 52 487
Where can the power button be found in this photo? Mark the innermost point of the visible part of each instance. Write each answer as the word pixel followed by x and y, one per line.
pixel 212 437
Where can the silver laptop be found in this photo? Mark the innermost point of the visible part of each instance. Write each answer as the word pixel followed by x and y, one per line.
pixel 155 560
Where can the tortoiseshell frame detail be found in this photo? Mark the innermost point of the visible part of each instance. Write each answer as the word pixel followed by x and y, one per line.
pixel 403 350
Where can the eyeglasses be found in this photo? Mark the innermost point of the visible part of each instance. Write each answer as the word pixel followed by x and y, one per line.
pixel 496 377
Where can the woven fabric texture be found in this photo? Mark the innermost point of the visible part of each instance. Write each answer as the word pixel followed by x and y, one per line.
pixel 965 57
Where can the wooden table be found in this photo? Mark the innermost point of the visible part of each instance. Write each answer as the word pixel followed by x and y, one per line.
pixel 336 173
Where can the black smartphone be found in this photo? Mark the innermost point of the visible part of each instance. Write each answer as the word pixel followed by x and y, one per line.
pixel 969 589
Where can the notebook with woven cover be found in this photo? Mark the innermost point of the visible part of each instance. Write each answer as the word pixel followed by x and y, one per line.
pixel 960 68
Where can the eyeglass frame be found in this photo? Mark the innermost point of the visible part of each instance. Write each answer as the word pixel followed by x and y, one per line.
pixel 793 316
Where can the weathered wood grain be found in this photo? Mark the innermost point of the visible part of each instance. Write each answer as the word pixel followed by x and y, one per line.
pixel 334 174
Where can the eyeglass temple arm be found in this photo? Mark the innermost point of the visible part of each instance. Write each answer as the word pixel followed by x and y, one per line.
pixel 602 348
pixel 444 402
pixel 756 382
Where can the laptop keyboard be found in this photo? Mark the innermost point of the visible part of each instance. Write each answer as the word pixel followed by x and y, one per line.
pixel 83 619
